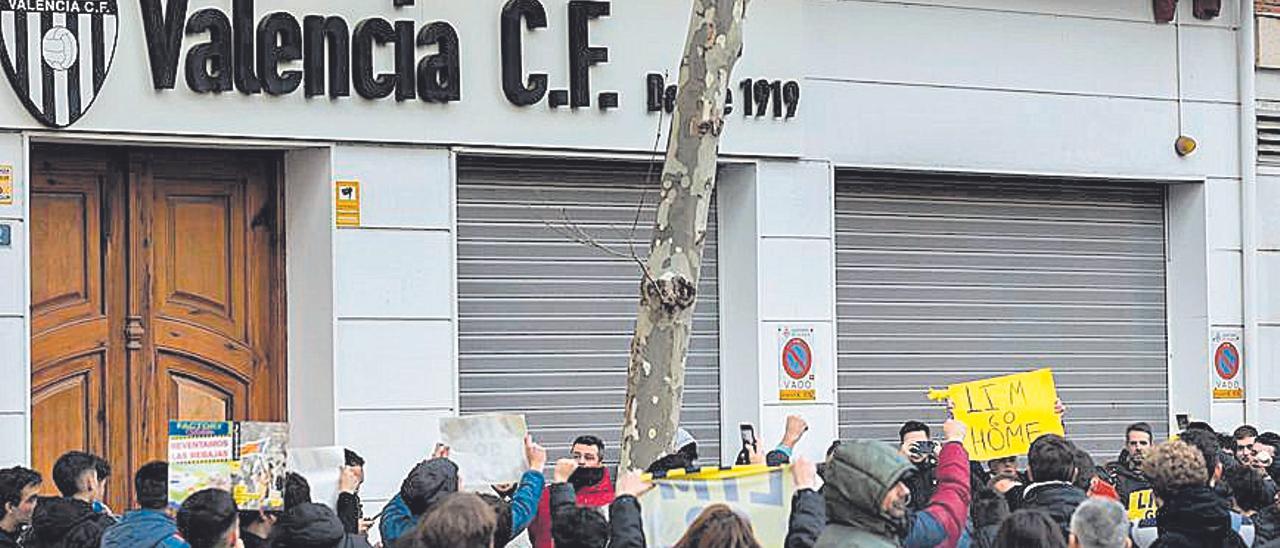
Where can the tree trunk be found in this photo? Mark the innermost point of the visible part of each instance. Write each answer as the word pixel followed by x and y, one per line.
pixel 655 379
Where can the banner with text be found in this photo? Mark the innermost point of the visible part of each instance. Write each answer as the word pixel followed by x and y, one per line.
pixel 759 492
pixel 1004 414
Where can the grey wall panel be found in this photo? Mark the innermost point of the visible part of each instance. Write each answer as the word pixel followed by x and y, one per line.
pixel 947 280
pixel 545 322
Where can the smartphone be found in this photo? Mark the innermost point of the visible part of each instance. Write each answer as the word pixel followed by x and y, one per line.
pixel 1184 420
pixel 748 434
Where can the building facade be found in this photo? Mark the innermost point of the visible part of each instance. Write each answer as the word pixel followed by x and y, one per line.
pixel 364 216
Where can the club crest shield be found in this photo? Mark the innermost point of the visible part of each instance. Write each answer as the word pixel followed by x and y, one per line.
pixel 56 54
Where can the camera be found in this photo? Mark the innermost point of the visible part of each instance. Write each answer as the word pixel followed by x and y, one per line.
pixel 926 449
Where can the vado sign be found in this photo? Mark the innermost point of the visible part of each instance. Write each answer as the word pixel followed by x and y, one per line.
pixel 1004 414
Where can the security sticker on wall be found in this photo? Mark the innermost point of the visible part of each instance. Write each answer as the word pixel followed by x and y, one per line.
pixel 796 377
pixel 347 202
pixel 6 184
pixel 1227 365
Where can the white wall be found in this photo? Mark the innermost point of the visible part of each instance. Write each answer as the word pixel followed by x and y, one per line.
pixel 395 308
pixel 15 376
pixel 310 287
pixel 1043 87
pixel 777 252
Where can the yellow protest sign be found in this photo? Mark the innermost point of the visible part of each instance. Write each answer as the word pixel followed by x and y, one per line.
pixel 759 492
pixel 1004 414
pixel 1142 505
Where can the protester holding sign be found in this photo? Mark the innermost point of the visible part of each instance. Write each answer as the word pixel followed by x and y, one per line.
pixel 433 479
pixel 574 526
pixel 1125 474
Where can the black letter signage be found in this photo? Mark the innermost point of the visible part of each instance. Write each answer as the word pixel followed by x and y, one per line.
pixel 164 38
pixel 513 84
pixel 581 54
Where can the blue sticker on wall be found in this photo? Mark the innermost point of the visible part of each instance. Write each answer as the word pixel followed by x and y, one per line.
pixel 6 235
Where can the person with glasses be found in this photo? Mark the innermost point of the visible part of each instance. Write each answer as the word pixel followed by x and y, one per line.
pixel 592 485
pixel 1126 473
pixel 1244 437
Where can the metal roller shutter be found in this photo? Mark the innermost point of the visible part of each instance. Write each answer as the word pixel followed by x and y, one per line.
pixel 941 281
pixel 546 321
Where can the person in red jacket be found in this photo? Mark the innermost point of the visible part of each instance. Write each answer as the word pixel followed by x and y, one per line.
pixel 592 486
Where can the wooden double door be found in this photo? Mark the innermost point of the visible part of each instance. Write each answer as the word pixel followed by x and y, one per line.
pixel 156 294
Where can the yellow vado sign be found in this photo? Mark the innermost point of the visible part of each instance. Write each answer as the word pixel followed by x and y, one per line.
pixel 1004 414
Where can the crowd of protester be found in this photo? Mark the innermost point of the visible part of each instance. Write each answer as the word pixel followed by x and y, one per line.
pixel 1199 489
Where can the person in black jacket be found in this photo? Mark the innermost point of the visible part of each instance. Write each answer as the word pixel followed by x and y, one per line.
pixel 808 507
pixel 349 509
pixel 209 519
pixel 255 527
pixel 1191 515
pixel 916 446
pixel 574 526
pixel 1252 498
pixel 312 525
pixel 66 522
pixel 626 527
pixel 19 490
pixel 988 511
pixel 1052 467
pixel 1126 473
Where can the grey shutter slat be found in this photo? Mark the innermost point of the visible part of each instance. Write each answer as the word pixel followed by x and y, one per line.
pixel 942 281
pixel 545 321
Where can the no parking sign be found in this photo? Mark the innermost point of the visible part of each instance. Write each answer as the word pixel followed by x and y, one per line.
pixel 1227 363
pixel 795 362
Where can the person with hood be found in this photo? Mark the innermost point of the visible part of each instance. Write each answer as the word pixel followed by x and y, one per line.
pixel 1052 467
pixel 425 485
pixel 1125 473
pixel 866 498
pixel 592 487
pixel 313 525
pixel 433 479
pixel 19 491
pixel 153 525
pixel 1191 515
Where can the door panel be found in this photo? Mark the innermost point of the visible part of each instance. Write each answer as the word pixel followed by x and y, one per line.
pixel 156 294
pixel 64 411
pixel 201 391
pixel 200 256
pixel 78 399
pixel 208 343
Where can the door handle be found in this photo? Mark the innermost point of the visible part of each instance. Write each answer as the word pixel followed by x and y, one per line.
pixel 133 333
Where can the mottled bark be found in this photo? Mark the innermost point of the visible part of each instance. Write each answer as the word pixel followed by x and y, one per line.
pixel 668 292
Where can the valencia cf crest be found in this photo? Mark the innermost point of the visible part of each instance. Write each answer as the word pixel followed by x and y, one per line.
pixel 57 54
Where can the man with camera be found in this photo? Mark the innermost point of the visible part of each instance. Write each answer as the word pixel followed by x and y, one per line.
pixel 918 448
